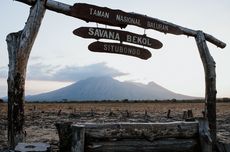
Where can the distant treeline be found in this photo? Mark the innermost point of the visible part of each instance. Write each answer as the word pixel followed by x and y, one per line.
pixel 129 101
pixel 134 101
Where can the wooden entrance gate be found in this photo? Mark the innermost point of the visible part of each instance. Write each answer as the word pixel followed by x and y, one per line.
pixel 20 45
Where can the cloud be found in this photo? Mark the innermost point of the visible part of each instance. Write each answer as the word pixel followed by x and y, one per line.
pixel 39 71
pixel 70 73
pixel 73 73
pixel 36 59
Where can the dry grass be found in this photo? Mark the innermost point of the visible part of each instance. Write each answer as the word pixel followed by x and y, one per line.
pixel 41 117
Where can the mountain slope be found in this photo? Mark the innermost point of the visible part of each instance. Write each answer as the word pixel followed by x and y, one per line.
pixel 107 88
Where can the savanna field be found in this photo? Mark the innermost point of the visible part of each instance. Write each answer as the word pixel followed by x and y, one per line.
pixel 40 118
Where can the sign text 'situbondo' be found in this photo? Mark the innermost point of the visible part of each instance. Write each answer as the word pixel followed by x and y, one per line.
pixel 120 49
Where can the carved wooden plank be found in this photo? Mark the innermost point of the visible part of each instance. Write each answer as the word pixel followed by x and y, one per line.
pixel 19 47
pixel 150 131
pixel 65 9
pixel 119 48
pixel 121 36
pixel 119 18
pixel 210 82
pixel 142 145
pixel 175 136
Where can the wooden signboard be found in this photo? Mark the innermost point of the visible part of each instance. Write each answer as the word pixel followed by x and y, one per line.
pixel 120 49
pixel 122 36
pixel 104 15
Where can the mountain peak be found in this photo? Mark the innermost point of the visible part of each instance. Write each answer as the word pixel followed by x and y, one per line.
pixel 107 88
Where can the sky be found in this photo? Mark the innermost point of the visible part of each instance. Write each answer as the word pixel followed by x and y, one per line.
pixel 59 58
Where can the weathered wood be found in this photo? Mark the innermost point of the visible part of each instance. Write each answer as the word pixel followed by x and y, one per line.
pixel 142 145
pixel 65 136
pixel 150 131
pixel 168 113
pixel 185 115
pixel 210 83
pixel 118 48
pixel 223 147
pixel 145 137
pixel 190 114
pixel 65 9
pixel 78 138
pixel 121 36
pixel 19 47
pixel 204 136
pixel 127 137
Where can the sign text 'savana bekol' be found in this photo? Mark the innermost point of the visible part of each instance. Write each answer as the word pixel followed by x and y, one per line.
pixel 121 36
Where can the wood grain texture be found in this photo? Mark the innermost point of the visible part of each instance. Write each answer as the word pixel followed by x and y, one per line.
pixel 65 9
pixel 210 82
pixel 149 131
pixel 141 145
pixel 19 48
pixel 204 136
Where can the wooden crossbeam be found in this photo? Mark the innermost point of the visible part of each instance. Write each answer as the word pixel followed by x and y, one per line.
pixel 66 9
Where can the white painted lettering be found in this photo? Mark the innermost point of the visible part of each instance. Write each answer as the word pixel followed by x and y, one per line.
pixel 138 40
pixel 117 36
pixel 144 41
pixel 135 39
pixel 96 33
pixel 122 49
pixel 138 52
pixel 105 47
pixel 157 26
pixel 91 11
pixel 99 13
pixel 129 38
pixel 91 31
pixel 100 33
pixel 128 20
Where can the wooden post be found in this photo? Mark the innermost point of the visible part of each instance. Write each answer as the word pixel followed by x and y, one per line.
pixel 78 138
pixel 204 136
pixel 19 48
pixel 210 83
pixel 168 113
pixel 65 136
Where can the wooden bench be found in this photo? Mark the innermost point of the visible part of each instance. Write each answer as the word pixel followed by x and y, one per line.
pixel 132 137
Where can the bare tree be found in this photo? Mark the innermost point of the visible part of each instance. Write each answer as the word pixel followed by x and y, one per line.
pixel 19 48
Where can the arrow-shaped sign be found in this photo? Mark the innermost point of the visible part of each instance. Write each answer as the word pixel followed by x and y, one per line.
pixel 120 49
pixel 104 15
pixel 122 36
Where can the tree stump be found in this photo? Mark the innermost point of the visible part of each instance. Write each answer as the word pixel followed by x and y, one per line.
pixel 168 114
pixel 78 138
pixel 65 136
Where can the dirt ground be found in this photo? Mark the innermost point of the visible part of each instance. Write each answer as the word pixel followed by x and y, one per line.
pixel 41 117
